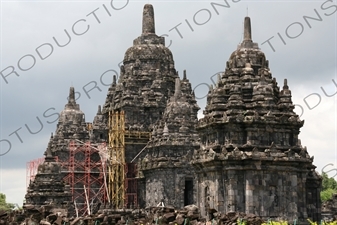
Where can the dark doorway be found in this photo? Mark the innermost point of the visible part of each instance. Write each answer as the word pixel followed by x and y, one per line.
pixel 188 193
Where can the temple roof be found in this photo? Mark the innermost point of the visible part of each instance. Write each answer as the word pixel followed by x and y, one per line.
pixel 247 51
pixel 148 45
pixel 248 96
pixel 146 78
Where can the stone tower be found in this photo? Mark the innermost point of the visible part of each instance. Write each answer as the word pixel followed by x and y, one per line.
pixel 169 176
pixel 79 163
pixel 251 159
pixel 146 82
pixel 146 76
pixel 71 126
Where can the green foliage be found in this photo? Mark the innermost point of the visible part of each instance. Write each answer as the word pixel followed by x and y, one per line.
pixel 311 222
pixel 4 205
pixel 328 183
pixel 270 222
pixel 329 223
pixel 241 222
pixel 322 222
pixel 329 187
pixel 327 194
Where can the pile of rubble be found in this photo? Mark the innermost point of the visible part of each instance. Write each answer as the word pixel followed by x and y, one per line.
pixel 155 215
pixel 235 218
pixel 329 209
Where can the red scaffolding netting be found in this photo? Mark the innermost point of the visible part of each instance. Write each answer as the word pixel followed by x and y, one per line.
pixel 31 169
pixel 86 176
pixel 131 186
pixel 85 172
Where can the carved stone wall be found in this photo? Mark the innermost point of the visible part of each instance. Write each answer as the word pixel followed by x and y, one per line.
pixel 251 158
pixel 244 155
pixel 48 187
pixel 169 176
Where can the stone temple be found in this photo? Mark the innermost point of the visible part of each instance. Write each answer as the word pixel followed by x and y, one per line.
pixel 244 155
pixel 251 158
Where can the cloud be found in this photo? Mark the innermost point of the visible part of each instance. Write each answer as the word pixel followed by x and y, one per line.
pixel 13 184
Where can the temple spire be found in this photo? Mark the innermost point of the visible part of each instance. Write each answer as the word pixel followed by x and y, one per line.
pixel 247 30
pixel 247 35
pixel 71 98
pixel 148 19
pixel 114 80
pixel 99 111
pixel 285 85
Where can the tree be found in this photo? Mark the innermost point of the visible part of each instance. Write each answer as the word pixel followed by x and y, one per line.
pixel 4 205
pixel 329 187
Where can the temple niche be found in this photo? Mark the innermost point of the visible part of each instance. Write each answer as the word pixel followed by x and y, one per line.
pixel 251 158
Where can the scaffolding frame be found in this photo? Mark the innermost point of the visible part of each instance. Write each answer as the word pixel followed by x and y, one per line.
pixel 117 178
pixel 84 170
pixel 85 176
pixel 116 170
pixel 141 137
pixel 31 169
pixel 131 180
pixel 131 194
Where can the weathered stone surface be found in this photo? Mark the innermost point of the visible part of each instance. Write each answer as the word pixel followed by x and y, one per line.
pixel 166 166
pixel 234 217
pixel 329 209
pixel 48 190
pixel 65 147
pixel 146 82
pixel 191 208
pixel 180 219
pixel 244 155
pixel 250 157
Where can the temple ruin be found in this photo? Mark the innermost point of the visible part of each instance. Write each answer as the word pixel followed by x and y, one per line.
pixel 251 158
pixel 49 188
pixel 146 146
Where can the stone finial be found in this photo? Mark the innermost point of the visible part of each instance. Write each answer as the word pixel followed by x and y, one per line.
pixel 185 77
pixel 219 79
pixel 48 152
pixel 114 80
pixel 99 111
pixel 165 130
pixel 247 30
pixel 285 85
pixel 148 19
pixel 71 98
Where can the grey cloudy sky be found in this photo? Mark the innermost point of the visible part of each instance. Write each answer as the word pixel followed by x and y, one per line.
pixel 304 53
